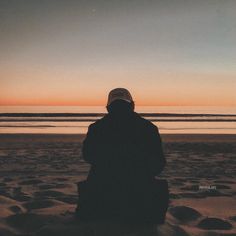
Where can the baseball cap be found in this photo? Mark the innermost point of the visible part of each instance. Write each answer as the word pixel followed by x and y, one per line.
pixel 119 93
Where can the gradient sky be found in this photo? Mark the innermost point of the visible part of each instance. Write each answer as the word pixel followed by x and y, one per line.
pixel 171 52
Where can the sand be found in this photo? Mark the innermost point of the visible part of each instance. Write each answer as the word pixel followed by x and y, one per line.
pixel 38 192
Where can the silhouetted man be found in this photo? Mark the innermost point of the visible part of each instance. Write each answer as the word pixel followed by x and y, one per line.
pixel 125 153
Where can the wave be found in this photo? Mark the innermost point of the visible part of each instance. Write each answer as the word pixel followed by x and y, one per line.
pixel 93 120
pixel 84 126
pixel 102 114
pixel 92 117
pixel 42 126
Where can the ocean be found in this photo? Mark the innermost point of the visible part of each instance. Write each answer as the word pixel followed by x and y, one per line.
pixel 76 119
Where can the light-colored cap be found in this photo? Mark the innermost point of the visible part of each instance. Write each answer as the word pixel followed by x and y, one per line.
pixel 119 93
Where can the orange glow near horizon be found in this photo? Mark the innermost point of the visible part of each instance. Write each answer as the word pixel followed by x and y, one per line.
pixel 148 88
pixel 72 53
pixel 102 102
pixel 140 100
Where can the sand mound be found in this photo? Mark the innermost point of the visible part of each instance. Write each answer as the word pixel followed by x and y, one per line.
pixel 184 213
pixel 4 212
pixel 70 199
pixel 5 200
pixel 214 223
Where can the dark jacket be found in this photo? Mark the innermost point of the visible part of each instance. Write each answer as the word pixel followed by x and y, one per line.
pixel 123 149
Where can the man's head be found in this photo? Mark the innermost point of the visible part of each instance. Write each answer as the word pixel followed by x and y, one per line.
pixel 120 99
pixel 119 94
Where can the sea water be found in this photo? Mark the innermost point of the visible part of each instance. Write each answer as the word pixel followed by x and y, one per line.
pixel 76 119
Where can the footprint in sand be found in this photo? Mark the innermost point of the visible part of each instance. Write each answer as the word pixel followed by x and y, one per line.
pixel 61 179
pixel 19 195
pixel 46 186
pixel 66 198
pixel 49 194
pixel 214 224
pixel 70 199
pixel 184 213
pixel 61 185
pixel 30 182
pixel 53 185
pixel 16 209
pixel 38 204
pixel 5 191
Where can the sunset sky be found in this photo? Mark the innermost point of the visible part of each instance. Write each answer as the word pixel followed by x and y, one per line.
pixel 72 52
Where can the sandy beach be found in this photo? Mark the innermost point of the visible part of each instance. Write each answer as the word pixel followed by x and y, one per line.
pixel 38 192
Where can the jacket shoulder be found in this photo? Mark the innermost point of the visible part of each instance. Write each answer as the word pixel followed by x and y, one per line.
pixel 98 123
pixel 146 123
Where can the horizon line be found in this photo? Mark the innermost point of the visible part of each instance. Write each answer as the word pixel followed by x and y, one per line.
pixel 104 105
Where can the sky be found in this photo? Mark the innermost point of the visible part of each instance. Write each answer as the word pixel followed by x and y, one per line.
pixel 73 52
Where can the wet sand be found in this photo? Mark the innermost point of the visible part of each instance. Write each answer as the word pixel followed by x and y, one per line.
pixel 39 173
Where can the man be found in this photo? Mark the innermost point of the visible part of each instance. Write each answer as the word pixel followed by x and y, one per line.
pixel 125 153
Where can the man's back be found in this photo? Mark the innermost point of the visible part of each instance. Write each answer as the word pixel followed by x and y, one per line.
pixel 123 148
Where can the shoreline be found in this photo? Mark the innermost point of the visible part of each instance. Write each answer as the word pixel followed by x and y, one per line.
pixel 79 137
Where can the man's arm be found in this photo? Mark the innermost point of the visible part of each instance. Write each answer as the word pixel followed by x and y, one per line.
pixel 90 146
pixel 157 158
